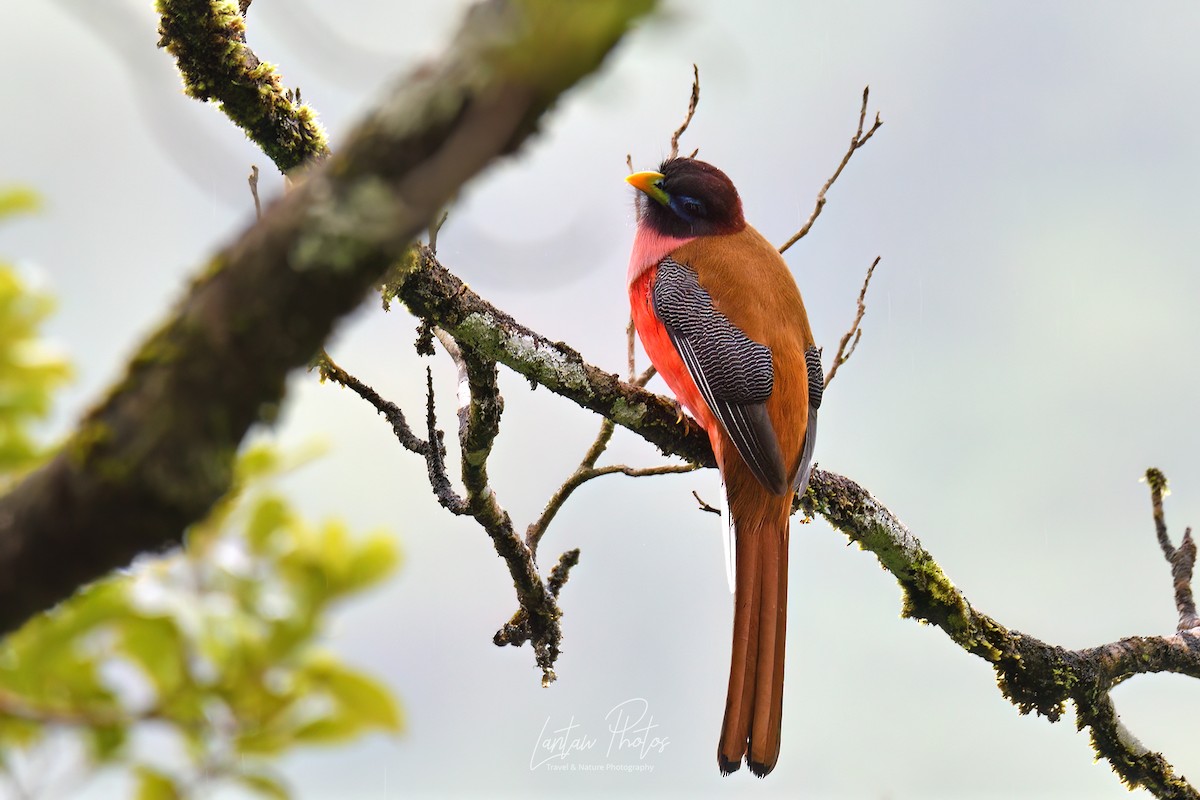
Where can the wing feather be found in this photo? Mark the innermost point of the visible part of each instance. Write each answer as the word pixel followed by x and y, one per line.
pixel 734 373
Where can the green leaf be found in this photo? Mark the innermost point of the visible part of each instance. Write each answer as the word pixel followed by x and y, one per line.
pixel 17 199
pixel 155 785
pixel 372 561
pixel 263 742
pixel 15 732
pixel 155 645
pixel 105 742
pixel 364 698
pixel 265 785
pixel 30 372
pixel 361 702
pixel 269 515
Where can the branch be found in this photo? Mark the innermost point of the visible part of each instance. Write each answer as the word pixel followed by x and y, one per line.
pixel 434 294
pixel 208 40
pixel 691 111
pixel 586 471
pixel 1034 675
pixel 858 140
pixel 157 452
pixel 843 354
pixel 1181 559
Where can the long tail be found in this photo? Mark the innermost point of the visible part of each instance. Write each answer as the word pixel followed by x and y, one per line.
pixel 754 704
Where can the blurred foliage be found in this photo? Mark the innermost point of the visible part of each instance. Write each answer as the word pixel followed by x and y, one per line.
pixel 190 670
pixel 30 372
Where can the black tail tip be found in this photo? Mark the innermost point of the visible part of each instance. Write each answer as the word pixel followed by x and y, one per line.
pixel 756 769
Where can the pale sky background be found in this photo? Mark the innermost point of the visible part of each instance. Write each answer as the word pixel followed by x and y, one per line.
pixel 1029 350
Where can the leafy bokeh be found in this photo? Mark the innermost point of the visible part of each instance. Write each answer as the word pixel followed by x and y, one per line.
pixel 192 669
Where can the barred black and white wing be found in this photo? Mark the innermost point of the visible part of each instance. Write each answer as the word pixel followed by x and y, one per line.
pixel 733 372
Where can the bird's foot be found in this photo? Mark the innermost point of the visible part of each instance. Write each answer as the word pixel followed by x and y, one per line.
pixel 681 416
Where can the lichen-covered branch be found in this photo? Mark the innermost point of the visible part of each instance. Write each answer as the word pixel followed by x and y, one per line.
pixel 479 408
pixel 1034 675
pixel 208 40
pixel 433 293
pixel 158 451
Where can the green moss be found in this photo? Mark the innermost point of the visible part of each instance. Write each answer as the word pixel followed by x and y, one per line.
pixel 91 436
pixel 629 415
pixel 208 43
pixel 345 230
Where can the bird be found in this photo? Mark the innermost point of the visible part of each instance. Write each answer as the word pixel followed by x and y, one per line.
pixel 721 318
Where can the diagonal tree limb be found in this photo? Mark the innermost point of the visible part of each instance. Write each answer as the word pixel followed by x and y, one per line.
pixel 1032 674
pixel 431 292
pixel 158 451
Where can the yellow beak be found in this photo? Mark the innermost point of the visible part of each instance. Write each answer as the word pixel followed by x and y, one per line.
pixel 649 183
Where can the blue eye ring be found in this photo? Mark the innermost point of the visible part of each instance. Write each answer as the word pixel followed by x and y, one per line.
pixel 689 208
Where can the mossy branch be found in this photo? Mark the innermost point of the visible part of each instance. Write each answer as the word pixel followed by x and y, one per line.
pixel 208 40
pixel 1032 674
pixel 155 454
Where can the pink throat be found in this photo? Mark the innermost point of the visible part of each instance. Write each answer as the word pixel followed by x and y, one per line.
pixel 649 248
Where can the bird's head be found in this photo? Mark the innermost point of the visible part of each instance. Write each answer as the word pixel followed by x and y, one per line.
pixel 686 198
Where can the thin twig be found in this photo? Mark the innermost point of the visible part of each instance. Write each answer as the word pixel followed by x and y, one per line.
pixel 253 181
pixel 329 371
pixel 586 471
pixel 435 229
pixel 691 111
pixel 856 142
pixel 480 407
pixel 435 457
pixel 1181 559
pixel 432 448
pixel 560 573
pixel 630 340
pixel 852 336
pixel 704 506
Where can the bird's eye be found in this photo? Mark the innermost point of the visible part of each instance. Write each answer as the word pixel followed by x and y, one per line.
pixel 693 207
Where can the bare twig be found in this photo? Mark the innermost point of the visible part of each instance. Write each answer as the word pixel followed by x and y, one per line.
pixel 852 336
pixel 631 361
pixel 435 229
pixel 704 506
pixel 253 181
pixel 691 111
pixel 630 342
pixel 435 457
pixel 560 573
pixel 329 371
pixel 859 139
pixel 1181 559
pixel 586 471
pixel 431 449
